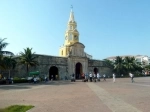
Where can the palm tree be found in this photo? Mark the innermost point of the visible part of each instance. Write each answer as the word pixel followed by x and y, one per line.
pixel 109 63
pixel 130 64
pixel 28 58
pixel 119 65
pixel 147 69
pixel 2 46
pixel 10 63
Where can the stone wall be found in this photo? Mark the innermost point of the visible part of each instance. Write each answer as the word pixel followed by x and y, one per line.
pixel 45 63
pixel 65 66
pixel 101 66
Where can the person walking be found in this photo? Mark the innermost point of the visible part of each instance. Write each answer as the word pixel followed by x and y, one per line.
pixel 11 78
pixel 98 77
pixel 45 78
pixel 104 76
pixel 132 76
pixel 114 76
pixel 35 80
pixel 90 77
pixel 52 78
pixel 94 77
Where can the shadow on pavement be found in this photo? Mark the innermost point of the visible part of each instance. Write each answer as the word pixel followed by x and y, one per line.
pixel 30 85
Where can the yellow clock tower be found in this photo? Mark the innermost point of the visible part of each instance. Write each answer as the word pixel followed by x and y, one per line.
pixel 71 36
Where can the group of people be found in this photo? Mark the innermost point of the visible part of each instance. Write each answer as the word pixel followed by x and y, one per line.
pixel 130 74
pixel 96 77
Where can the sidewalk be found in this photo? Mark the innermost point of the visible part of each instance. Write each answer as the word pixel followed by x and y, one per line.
pixel 66 96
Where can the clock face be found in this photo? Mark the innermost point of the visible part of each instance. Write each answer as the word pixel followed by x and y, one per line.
pixel 75 37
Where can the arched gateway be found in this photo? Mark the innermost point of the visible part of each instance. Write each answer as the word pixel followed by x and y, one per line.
pixel 53 71
pixel 95 70
pixel 78 70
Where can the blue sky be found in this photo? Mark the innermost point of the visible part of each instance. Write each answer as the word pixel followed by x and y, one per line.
pixel 107 27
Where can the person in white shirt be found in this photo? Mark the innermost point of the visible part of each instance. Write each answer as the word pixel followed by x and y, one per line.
pixel 132 76
pixel 34 79
pixel 114 76
pixel 98 77
pixel 45 78
pixel 104 76
pixel 51 77
pixel 94 77
pixel 90 77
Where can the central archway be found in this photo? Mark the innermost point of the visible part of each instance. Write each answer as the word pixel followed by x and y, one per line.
pixel 53 72
pixel 78 70
pixel 95 70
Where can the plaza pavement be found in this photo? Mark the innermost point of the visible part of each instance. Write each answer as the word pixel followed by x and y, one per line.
pixel 66 96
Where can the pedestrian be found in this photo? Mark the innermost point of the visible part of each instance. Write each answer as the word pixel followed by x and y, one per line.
pixel 34 79
pixel 98 77
pixel 51 77
pixel 11 78
pixel 90 75
pixel 86 77
pixel 94 77
pixel 83 76
pixel 66 77
pixel 104 76
pixel 132 76
pixel 45 78
pixel 114 76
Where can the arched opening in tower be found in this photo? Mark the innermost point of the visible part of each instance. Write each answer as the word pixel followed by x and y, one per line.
pixel 78 70
pixel 53 73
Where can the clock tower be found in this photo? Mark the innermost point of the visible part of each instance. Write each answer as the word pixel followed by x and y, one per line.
pixel 71 36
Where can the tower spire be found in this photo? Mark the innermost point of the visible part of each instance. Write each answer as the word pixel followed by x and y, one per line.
pixel 71 7
pixel 71 18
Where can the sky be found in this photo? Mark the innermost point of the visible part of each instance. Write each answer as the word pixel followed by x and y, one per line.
pixel 106 27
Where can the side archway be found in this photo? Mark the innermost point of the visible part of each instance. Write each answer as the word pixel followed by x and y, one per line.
pixel 53 73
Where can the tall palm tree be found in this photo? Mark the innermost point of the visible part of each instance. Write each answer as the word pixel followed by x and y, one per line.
pixel 119 65
pixel 28 58
pixel 10 63
pixel 2 46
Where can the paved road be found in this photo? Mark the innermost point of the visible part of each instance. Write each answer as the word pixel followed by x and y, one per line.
pixel 66 96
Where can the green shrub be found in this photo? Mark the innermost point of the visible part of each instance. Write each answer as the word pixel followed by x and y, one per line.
pixel 16 78
pixel 20 80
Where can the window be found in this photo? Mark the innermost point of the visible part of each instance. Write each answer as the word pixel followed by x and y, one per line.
pixel 70 37
pixel 62 52
pixel 71 27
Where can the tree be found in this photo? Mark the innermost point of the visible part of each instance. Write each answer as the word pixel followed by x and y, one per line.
pixel 147 69
pixel 109 63
pixel 119 65
pixel 3 45
pixel 28 58
pixel 130 64
pixel 10 63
